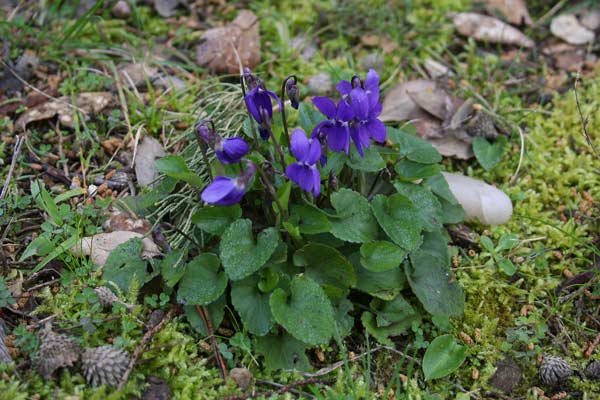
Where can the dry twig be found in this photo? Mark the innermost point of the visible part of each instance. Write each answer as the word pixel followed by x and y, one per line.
pixel 13 163
pixel 283 389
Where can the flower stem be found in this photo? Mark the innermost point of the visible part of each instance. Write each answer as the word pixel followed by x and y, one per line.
pixel 284 119
pixel 243 85
pixel 204 155
pixel 271 190
pixel 279 150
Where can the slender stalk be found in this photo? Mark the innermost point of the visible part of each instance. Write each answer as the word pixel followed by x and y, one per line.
pixel 271 190
pixel 279 151
pixel 243 85
pixel 283 117
pixel 203 147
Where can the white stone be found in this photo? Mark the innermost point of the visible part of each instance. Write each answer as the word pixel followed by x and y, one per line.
pixel 568 28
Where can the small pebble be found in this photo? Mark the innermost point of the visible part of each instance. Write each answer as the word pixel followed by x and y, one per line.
pixel 320 84
pixel 121 10
pixel 242 377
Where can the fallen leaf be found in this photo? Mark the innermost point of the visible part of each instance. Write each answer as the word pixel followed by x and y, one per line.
pixel 99 246
pixel 515 11
pixel 148 151
pixel 451 146
pixel 591 19
pixel 435 101
pixel 92 102
pixel 399 106
pixel 571 61
pixel 436 69
pixel 122 221
pixel 383 41
pixel 568 28
pixel 136 74
pixel 219 45
pixel 484 28
pixel 166 8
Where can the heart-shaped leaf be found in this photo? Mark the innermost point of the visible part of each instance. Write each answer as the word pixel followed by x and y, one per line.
pixel 443 356
pixel 370 161
pixel 252 305
pixel 489 154
pixel 391 318
pixel 241 257
pixel 326 266
pixel 308 116
pixel 429 206
pixel 306 313
pixel 381 256
pixel 399 218
pixel 216 311
pixel 283 352
pixel 125 263
pixel 430 280
pixel 410 170
pixel 354 221
pixel 383 285
pixel 202 283
pixel 214 220
pixel 413 147
pixel 310 219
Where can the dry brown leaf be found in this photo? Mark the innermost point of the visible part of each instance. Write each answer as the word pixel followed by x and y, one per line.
pixel 571 61
pixel 399 106
pixel 515 11
pixel 147 152
pixel 99 246
pixel 135 74
pixel 383 41
pixel 93 102
pixel 482 27
pixel 219 46
pixel 122 221
pixel 436 69
pixel 568 28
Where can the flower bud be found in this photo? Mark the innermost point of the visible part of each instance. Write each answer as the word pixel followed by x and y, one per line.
pixel 293 92
pixel 206 132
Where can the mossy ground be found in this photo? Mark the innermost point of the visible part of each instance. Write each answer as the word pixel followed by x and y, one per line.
pixel 554 195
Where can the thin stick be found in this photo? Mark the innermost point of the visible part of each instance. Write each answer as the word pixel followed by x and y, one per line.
pixel 584 120
pixel 144 342
pixel 13 163
pixel 203 312
pixel 513 179
pixel 283 389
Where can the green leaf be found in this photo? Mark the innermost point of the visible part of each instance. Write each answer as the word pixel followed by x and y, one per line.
pixel 381 256
pixel 489 154
pixel 175 167
pixel 507 242
pixel 216 311
pixel 306 313
pixel 283 195
pixel 283 352
pixel 58 250
pixel 438 185
pixel 202 283
pixel 39 246
pixel 413 147
pixel 252 305
pixel 370 162
pixel 410 170
pixel 45 201
pixel 310 219
pixel 326 266
pixel 344 321
pixel 308 116
pixel 215 220
pixel 430 208
pixel 384 285
pixel 507 267
pixel 172 267
pixel 124 263
pixel 487 244
pixel 430 279
pixel 241 257
pixel 399 218
pixel 452 213
pixel 354 221
pixel 391 318
pixel 443 356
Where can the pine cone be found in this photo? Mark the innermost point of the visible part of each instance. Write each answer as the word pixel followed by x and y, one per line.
pixel 107 298
pixel 593 370
pixel 104 365
pixel 554 371
pixel 56 351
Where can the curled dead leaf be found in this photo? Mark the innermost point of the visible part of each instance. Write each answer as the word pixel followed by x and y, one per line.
pixel 515 11
pixel 568 28
pixel 89 103
pixel 484 28
pixel 122 221
pixel 399 106
pixel 147 152
pixel 99 246
pixel 219 45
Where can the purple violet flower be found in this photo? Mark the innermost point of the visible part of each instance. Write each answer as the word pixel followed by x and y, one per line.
pixel 258 102
pixel 363 98
pixel 305 172
pixel 231 150
pixel 226 191
pixel 336 129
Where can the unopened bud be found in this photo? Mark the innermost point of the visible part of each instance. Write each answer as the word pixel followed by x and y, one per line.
pixel 293 92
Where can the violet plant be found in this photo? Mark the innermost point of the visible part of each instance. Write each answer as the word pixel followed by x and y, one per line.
pixel 309 235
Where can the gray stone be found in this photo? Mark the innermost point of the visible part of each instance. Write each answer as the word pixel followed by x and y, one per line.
pixel 507 375
pixel 320 84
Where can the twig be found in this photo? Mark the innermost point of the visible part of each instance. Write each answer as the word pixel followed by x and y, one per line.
pixel 513 179
pixel 283 389
pixel 279 385
pixel 584 120
pixel 13 163
pixel 592 346
pixel 203 312
pixel 144 342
